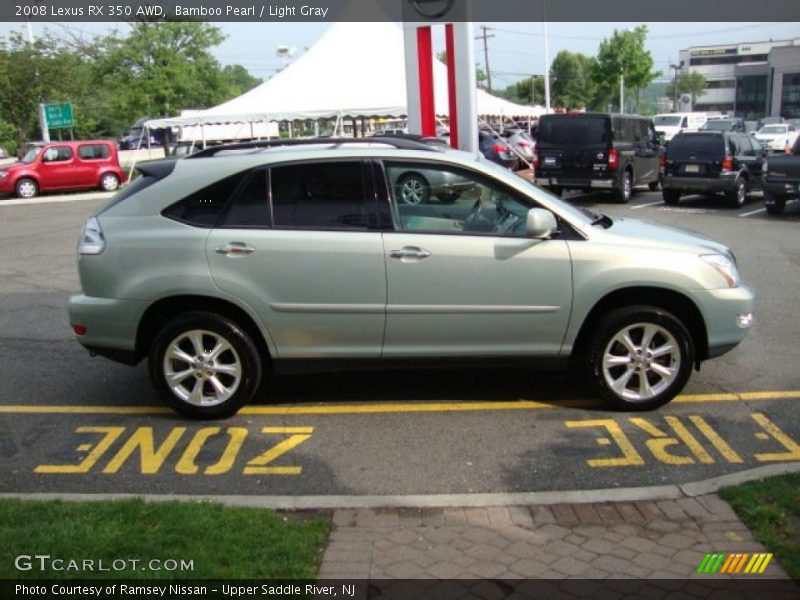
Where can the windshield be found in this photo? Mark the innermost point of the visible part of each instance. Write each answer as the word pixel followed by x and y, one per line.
pixel 773 129
pixel 31 155
pixel 667 120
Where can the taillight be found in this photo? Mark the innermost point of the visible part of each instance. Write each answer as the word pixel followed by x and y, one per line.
pixel 662 163
pixel 80 330
pixel 499 148
pixel 92 239
pixel 525 144
pixel 613 159
pixel 535 158
pixel 727 164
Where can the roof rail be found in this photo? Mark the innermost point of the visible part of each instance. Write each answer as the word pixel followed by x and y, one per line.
pixel 398 142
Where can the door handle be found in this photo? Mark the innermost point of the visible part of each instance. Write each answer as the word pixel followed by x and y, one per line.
pixel 412 252
pixel 234 249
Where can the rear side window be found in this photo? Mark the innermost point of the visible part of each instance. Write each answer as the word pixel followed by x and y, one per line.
pixel 93 151
pixel 204 207
pixel 700 145
pixel 574 130
pixel 250 207
pixel 328 195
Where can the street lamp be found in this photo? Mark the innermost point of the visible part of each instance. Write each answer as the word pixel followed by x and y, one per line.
pixel 675 87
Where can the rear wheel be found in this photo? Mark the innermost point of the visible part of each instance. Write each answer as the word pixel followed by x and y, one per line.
pixel 671 197
pixel 109 182
pixel 639 357
pixel 413 189
pixel 624 190
pixel 26 188
pixel 738 195
pixel 774 204
pixel 204 366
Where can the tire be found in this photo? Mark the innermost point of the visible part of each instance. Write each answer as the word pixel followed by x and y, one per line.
pixel 413 189
pixel 109 182
pixel 26 188
pixel 774 204
pixel 671 197
pixel 215 366
pixel 738 196
pixel 624 190
pixel 616 371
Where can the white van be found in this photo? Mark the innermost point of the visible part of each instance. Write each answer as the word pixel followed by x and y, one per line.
pixel 671 123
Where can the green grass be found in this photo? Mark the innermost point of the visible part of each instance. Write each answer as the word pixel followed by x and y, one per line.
pixel 222 542
pixel 771 510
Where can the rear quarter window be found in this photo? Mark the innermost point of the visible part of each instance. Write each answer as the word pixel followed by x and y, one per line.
pixel 204 207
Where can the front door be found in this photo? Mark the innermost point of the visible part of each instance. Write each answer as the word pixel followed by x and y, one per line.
pixel 462 276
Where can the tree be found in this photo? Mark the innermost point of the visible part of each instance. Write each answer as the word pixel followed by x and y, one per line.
pixel 480 74
pixel 32 73
pixel 571 80
pixel 520 92
pixel 239 79
pixel 159 68
pixel 623 55
pixel 690 82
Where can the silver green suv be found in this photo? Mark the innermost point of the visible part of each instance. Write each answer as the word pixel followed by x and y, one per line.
pixel 242 260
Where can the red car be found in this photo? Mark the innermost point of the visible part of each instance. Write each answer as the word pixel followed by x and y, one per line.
pixel 56 166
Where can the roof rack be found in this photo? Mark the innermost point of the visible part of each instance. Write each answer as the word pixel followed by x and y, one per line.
pixel 401 143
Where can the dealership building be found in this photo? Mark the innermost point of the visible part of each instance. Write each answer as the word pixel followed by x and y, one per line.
pixel 750 80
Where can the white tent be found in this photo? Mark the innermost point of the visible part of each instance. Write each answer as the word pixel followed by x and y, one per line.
pixel 354 70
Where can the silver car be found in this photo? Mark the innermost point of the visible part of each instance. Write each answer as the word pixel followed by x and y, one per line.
pixel 233 262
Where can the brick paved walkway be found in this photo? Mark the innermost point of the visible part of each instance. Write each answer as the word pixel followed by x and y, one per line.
pixel 643 540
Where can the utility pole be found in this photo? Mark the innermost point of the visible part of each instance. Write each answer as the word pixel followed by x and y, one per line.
pixel 485 37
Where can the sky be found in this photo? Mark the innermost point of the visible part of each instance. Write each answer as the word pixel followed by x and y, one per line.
pixel 516 51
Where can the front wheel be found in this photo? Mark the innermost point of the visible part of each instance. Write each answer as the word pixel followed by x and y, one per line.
pixel 639 357
pixel 204 366
pixel 26 188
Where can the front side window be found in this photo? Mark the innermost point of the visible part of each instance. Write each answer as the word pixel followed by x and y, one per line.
pixel 57 154
pixel 430 198
pixel 329 195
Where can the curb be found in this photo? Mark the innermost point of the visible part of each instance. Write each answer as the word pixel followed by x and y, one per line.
pixel 633 494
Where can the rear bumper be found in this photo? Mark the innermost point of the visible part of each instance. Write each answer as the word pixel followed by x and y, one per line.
pixel 111 325
pixel 783 189
pixel 607 182
pixel 723 183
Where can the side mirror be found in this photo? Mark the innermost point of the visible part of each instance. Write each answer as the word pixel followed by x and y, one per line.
pixel 540 224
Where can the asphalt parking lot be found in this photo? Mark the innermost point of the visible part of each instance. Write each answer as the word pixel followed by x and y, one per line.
pixel 72 423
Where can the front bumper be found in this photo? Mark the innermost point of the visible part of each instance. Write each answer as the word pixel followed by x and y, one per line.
pixel 728 315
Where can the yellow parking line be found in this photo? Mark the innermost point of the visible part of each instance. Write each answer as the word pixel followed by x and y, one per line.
pixel 385 408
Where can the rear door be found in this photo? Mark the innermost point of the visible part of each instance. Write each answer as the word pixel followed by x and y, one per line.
pixel 695 155
pixel 573 146
pixel 310 262
pixel 646 150
pixel 749 157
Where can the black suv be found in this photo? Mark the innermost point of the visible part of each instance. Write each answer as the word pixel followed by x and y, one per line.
pixel 597 151
pixel 711 162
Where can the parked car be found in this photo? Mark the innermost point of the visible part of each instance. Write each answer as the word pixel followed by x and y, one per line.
pixel 305 257
pixel 135 137
pixel 522 143
pixel 597 151
pixel 670 124
pixel 751 127
pixel 768 121
pixel 711 162
pixel 781 179
pixel 497 150
pixel 725 124
pixel 60 166
pixel 777 137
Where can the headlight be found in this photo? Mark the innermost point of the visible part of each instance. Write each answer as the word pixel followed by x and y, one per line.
pixel 725 266
pixel 3 174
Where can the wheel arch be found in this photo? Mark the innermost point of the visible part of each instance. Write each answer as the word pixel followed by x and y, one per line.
pixel 669 300
pixel 164 310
